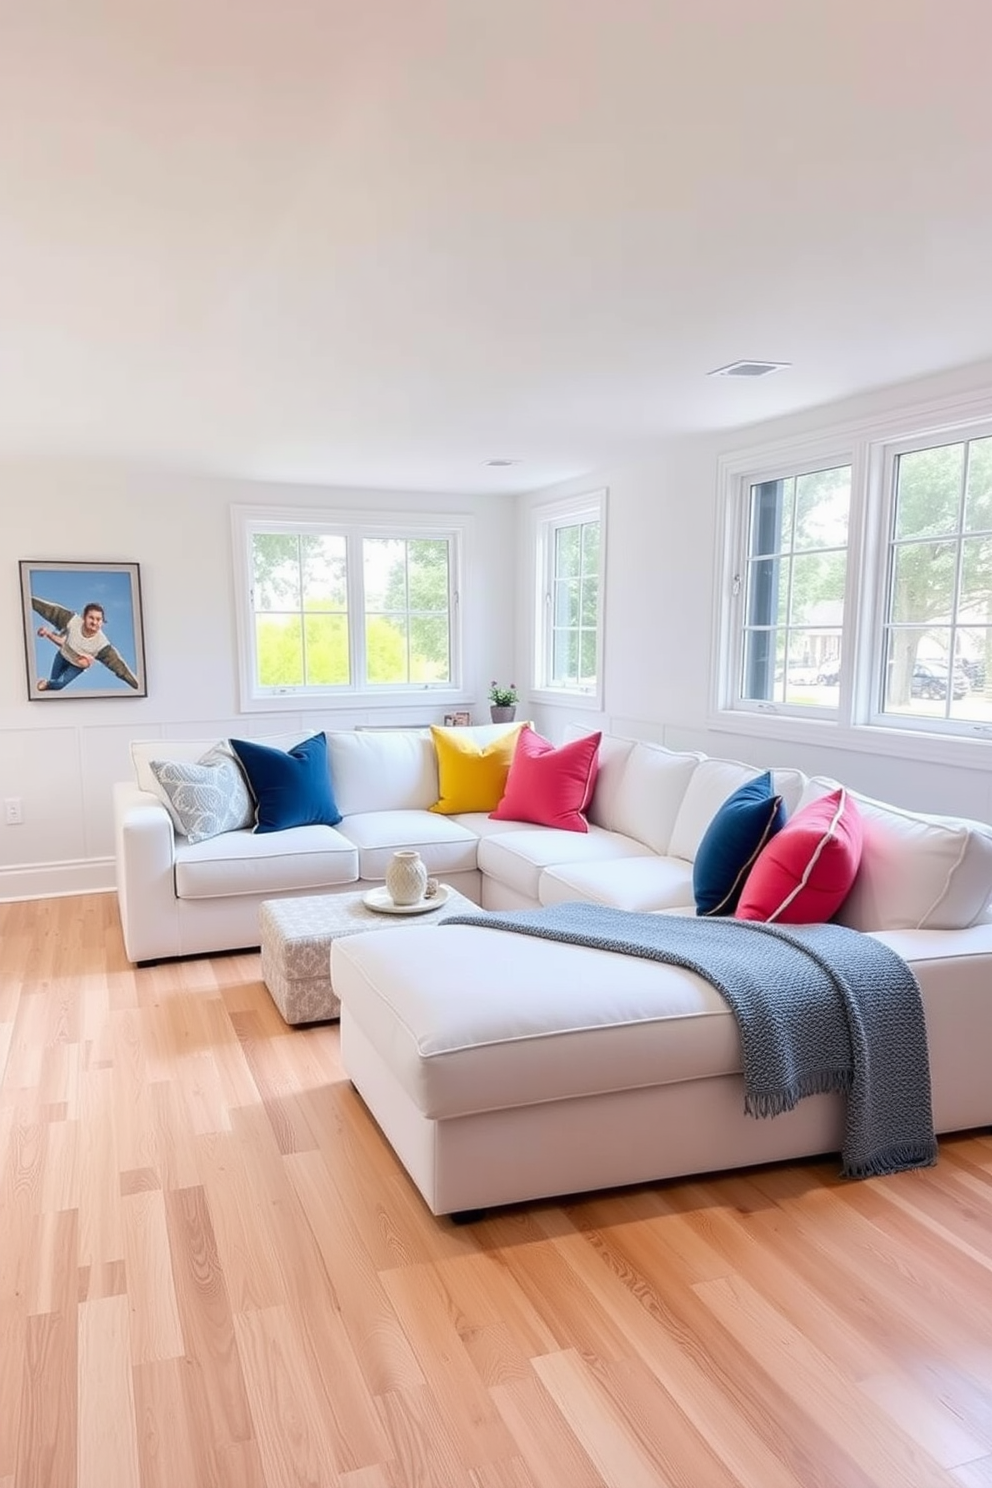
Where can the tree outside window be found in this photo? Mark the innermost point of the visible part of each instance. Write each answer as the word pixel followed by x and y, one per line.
pixel 334 608
pixel 938 626
pixel 569 541
pixel 903 642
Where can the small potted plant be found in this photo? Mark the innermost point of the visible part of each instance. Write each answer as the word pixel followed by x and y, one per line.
pixel 503 703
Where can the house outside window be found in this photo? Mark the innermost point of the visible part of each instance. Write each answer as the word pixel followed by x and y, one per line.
pixel 938 613
pixel 794 583
pixel 343 606
pixel 570 558
pixel 857 588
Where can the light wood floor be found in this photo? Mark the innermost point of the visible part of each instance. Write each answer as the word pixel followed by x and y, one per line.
pixel 213 1272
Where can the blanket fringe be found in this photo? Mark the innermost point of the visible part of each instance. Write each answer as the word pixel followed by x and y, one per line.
pixel 895 1160
pixel 762 1103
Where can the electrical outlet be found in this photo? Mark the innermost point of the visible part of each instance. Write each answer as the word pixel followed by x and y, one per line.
pixel 13 811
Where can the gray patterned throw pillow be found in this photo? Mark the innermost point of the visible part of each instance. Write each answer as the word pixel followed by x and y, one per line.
pixel 206 798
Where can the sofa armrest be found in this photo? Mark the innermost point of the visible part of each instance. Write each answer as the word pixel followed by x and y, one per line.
pixel 144 847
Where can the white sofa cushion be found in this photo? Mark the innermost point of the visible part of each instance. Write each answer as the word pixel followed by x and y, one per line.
pixel 613 756
pixel 652 789
pixel 517 859
pixel 790 785
pixel 481 824
pixel 641 884
pixel 182 751
pixel 918 872
pixel 639 788
pixel 382 769
pixel 544 1021
pixel 392 769
pixel 712 781
pixel 273 863
pixel 443 843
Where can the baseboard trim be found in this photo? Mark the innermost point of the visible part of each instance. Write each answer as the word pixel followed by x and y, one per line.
pixel 57 880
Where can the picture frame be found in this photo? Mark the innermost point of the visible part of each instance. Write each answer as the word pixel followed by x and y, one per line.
pixel 460 719
pixel 83 630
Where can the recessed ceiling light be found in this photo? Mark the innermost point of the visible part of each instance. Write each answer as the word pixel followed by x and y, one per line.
pixel 501 462
pixel 748 369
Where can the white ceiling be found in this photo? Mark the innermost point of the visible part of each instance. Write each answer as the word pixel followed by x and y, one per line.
pixel 383 241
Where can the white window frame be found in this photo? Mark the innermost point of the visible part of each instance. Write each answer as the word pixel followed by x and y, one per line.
pixel 857 723
pixel 354 527
pixel 886 457
pixel 739 517
pixel 547 520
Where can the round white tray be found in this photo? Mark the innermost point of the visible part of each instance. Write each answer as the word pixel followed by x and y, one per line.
pixel 379 900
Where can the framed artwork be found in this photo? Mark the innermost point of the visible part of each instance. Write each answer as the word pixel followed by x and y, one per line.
pixel 83 635
pixel 459 719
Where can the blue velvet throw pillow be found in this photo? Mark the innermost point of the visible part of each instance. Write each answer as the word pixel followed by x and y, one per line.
pixel 734 838
pixel 292 788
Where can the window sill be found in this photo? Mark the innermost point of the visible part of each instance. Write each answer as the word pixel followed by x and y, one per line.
pixel 961 753
pixel 561 698
pixel 359 702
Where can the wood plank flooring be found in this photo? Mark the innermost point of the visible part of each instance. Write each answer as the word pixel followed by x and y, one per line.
pixel 214 1274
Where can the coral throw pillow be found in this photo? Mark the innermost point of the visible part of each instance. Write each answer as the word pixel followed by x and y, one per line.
pixel 732 843
pixel 548 786
pixel 471 776
pixel 806 872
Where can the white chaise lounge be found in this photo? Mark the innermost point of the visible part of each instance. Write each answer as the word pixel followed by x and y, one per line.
pixel 502 1068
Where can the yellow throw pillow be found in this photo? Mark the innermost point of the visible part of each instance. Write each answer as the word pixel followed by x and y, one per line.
pixel 471 776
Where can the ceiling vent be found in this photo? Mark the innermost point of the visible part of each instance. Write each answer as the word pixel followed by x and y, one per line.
pixel 748 369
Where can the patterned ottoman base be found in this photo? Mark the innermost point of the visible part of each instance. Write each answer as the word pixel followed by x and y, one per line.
pixel 296 936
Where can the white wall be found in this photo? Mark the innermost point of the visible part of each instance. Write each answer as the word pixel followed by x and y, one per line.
pixel 62 757
pixel 661 605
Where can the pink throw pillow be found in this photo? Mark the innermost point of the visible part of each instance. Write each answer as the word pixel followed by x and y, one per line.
pixel 548 786
pixel 805 873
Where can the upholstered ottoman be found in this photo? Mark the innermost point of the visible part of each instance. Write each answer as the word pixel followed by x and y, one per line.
pixel 296 936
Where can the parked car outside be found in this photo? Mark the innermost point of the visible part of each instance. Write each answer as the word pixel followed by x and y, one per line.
pixel 930 681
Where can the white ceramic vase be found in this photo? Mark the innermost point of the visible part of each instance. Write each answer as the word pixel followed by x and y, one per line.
pixel 406 877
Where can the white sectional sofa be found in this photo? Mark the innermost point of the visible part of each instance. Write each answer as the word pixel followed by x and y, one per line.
pixel 503 1068
pixel 183 898
pixel 648 813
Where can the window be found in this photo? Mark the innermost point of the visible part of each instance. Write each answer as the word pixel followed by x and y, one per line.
pixel 857 587
pixel 794 581
pixel 343 605
pixel 570 559
pixel 938 610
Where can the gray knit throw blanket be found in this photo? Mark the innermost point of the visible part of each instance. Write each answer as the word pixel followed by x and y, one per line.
pixel 820 1008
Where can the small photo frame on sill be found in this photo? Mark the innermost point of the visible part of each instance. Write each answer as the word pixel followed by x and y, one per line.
pixel 460 719
pixel 83 630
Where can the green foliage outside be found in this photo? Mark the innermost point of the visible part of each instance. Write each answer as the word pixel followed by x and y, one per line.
pixel 930 488
pixel 798 569
pixel 301 610
pixel 576 605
